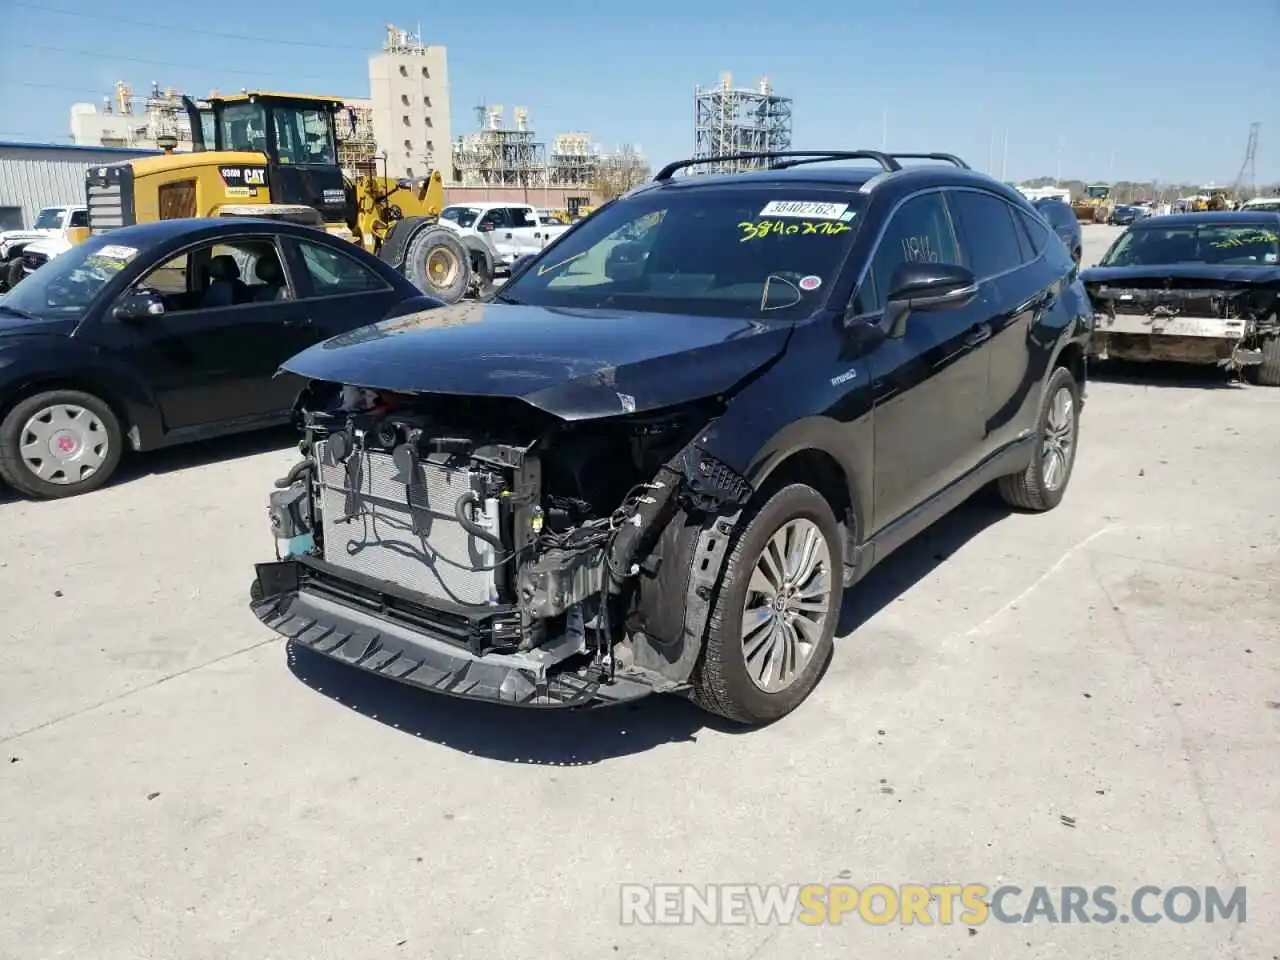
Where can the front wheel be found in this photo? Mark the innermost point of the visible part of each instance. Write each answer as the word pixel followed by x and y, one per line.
pixel 772 628
pixel 1267 373
pixel 1041 486
pixel 59 444
pixel 14 272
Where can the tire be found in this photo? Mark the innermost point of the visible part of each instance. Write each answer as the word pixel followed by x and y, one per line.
pixel 481 270
pixel 1267 373
pixel 93 428
pixel 13 272
pixel 1077 255
pixel 1030 489
pixel 437 251
pixel 724 682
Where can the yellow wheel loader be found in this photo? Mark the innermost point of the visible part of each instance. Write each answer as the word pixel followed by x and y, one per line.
pixel 275 155
pixel 1096 206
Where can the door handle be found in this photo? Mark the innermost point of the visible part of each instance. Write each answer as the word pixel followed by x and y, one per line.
pixel 297 321
pixel 979 333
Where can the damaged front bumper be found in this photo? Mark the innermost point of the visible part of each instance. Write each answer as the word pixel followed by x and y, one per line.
pixel 296 600
pixel 1179 338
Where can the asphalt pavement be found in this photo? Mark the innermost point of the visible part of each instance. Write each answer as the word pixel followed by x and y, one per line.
pixel 1088 697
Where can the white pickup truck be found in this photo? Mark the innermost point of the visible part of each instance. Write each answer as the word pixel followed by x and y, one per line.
pixel 510 229
pixel 53 229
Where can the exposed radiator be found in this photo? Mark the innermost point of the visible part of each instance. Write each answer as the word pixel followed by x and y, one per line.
pixel 368 527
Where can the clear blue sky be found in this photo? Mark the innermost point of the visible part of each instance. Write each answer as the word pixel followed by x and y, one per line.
pixel 1131 89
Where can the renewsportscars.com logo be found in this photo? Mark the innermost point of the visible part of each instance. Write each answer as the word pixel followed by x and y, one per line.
pixel 970 904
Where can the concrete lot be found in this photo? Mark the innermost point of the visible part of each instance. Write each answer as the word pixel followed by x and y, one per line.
pixel 1087 697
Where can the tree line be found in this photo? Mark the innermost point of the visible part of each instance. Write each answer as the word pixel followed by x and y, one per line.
pixel 1127 191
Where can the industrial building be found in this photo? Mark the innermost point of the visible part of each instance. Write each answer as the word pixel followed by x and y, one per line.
pixel 729 119
pixel 35 175
pixel 498 162
pixel 405 124
pixel 409 91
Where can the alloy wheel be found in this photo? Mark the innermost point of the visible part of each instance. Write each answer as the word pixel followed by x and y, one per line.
pixel 787 605
pixel 1059 439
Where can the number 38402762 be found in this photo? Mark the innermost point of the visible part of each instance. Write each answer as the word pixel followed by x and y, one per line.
pixel 759 229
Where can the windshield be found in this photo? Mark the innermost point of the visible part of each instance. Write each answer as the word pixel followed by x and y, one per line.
pixel 1265 205
pixel 69 283
pixel 304 136
pixel 47 219
pixel 242 126
pixel 744 252
pixel 1229 244
pixel 462 216
pixel 1098 192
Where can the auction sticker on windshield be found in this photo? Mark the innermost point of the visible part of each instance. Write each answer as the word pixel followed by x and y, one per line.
pixel 808 209
pixel 114 251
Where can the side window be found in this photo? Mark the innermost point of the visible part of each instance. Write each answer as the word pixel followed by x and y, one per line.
pixel 522 217
pixel 495 219
pixel 224 274
pixel 79 218
pixel 1037 234
pixel 991 242
pixel 919 232
pixel 333 273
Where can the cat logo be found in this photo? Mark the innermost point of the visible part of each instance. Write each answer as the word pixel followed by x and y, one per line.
pixel 256 177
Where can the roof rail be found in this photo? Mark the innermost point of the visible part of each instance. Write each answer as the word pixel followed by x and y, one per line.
pixel 944 157
pixel 885 160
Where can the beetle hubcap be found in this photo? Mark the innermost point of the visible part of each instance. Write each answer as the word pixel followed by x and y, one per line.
pixel 63 444
pixel 1059 439
pixel 788 601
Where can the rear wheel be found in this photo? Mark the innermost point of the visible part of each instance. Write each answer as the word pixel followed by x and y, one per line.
pixel 771 629
pixel 1041 486
pixel 59 444
pixel 13 271
pixel 438 264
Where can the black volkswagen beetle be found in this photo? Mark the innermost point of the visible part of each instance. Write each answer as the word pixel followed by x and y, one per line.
pixel 169 332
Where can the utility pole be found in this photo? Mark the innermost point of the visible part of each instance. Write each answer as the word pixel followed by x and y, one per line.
pixel 1004 160
pixel 1057 178
pixel 1249 169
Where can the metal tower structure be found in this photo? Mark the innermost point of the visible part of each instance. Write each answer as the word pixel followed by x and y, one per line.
pixel 1249 169
pixel 728 119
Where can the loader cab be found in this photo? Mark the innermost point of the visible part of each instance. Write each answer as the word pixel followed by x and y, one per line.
pixel 295 132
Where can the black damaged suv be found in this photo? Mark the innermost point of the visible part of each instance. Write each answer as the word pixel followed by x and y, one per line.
pixel 655 458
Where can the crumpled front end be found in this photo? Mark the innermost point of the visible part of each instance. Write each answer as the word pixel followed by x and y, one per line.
pixel 480 547
pixel 1182 320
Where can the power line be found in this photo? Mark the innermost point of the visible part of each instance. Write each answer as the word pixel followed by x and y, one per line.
pixel 164 63
pixel 186 30
pixel 84 91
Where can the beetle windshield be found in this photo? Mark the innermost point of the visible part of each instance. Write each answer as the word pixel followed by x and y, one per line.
pixel 751 251
pixel 69 283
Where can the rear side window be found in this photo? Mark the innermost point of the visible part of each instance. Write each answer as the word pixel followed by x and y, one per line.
pixel 991 244
pixel 919 232
pixel 1037 233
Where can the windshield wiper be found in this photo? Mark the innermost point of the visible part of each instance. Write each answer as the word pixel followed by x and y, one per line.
pixel 5 308
pixel 503 298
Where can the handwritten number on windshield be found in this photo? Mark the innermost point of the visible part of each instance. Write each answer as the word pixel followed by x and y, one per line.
pixel 759 229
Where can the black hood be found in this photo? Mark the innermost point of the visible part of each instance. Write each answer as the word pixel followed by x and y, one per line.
pixel 1182 275
pixel 575 364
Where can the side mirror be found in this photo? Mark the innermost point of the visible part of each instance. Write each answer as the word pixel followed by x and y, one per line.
pixel 919 287
pixel 625 261
pixel 520 262
pixel 138 305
